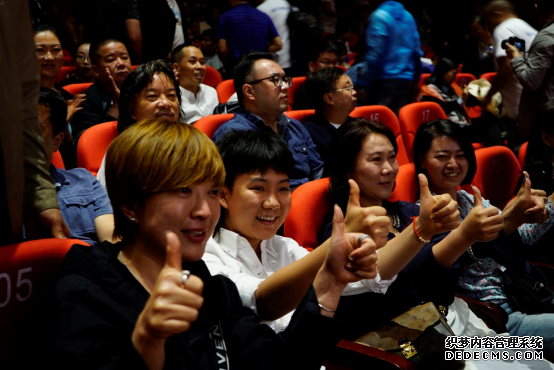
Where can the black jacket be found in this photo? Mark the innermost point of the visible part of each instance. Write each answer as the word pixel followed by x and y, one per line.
pixel 96 107
pixel 100 301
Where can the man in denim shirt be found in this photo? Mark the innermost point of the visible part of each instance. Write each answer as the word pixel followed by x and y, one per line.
pixel 84 204
pixel 263 93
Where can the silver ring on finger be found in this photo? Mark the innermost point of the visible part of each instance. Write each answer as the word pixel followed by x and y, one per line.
pixel 361 238
pixel 186 274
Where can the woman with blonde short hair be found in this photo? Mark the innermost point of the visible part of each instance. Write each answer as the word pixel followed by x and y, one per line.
pixel 149 300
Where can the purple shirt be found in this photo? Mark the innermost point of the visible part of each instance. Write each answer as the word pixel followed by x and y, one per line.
pixel 245 29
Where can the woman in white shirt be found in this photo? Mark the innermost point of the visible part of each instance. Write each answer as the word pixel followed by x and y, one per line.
pixel 271 272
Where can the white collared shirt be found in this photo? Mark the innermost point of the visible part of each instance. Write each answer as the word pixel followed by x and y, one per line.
pixel 201 105
pixel 234 258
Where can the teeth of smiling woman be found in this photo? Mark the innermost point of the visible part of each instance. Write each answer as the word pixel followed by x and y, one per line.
pixel 194 232
pixel 266 218
pixel 451 174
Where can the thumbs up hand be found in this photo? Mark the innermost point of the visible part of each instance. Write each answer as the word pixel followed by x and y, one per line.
pixel 173 304
pixel 481 224
pixel 528 206
pixel 438 213
pixel 372 221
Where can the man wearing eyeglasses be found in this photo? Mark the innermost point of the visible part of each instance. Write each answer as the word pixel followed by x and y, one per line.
pixel 334 97
pixel 263 93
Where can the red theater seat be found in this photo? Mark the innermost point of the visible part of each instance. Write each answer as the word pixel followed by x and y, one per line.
pixel 93 144
pixel 210 124
pixel 224 90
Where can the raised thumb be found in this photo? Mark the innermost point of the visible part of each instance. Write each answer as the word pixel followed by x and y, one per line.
pixel 354 197
pixel 477 198
pixel 173 256
pixel 424 191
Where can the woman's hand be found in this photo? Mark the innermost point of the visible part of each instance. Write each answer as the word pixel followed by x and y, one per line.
pixel 113 90
pixel 481 224
pixel 74 105
pixel 368 220
pixel 347 260
pixel 527 207
pixel 171 308
pixel 437 214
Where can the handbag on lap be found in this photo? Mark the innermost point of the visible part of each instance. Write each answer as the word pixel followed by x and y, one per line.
pixel 417 335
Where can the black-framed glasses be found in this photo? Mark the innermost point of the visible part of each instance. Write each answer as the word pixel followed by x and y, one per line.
pixel 332 63
pixel 277 80
pixel 351 88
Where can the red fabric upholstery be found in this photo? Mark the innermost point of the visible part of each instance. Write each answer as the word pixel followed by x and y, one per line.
pixel 462 79
pixel 210 124
pixel 93 144
pixel 423 77
pixel 382 114
pixel 497 174
pixel 63 73
pixel 212 77
pixel 407 185
pixel 522 153
pixel 133 67
pixel 300 115
pixel 57 160
pixel 412 116
pixel 77 88
pixel 296 83
pixel 489 76
pixel 310 203
pixel 224 90
pixel 28 271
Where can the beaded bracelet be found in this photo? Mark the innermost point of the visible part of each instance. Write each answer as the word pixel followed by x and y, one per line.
pixel 416 233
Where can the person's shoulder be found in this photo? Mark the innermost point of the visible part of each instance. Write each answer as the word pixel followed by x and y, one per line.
pixel 80 173
pixel 208 90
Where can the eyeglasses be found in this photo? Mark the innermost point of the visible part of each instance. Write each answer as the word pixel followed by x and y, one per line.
pixel 351 88
pixel 82 57
pixel 328 62
pixel 277 80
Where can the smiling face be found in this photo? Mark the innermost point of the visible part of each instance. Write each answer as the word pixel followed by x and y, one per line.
pixel 157 100
pixel 446 165
pixel 375 170
pixel 49 54
pixel 191 213
pixel 115 58
pixel 192 68
pixel 269 98
pixel 257 206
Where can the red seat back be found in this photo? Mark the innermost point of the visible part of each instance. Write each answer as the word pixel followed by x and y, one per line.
pixel 522 153
pixel 212 77
pixel 296 83
pixel 300 115
pixel 210 124
pixel 407 185
pixel 28 272
pixel 57 160
pixel 93 144
pixel 310 204
pixel 423 77
pixel 382 114
pixel 412 116
pixel 497 174
pixel 75 89
pixel 489 76
pixel 463 79
pixel 64 73
pixel 224 90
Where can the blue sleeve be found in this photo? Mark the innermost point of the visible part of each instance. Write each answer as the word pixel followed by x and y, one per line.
pixel 271 29
pixel 376 38
pixel 221 34
pixel 102 205
pixel 314 159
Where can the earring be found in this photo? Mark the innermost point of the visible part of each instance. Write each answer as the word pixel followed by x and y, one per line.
pixel 132 219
